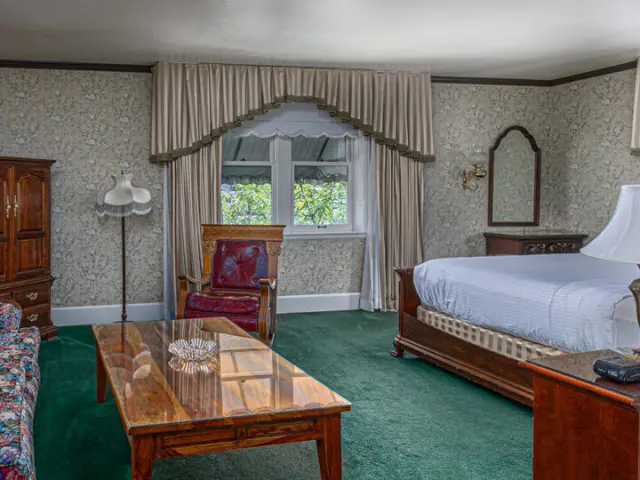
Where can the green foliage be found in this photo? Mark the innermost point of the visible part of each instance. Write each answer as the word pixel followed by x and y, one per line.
pixel 320 203
pixel 314 203
pixel 247 204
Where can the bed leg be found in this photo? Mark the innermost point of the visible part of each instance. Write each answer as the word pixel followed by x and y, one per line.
pixel 409 302
pixel 398 351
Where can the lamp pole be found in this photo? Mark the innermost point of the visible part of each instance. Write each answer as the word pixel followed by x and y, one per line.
pixel 124 272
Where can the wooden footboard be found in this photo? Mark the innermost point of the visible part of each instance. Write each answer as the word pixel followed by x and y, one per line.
pixel 484 367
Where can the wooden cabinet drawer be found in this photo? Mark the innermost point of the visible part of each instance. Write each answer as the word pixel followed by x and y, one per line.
pixel 559 246
pixel 33 295
pixel 533 244
pixel 37 316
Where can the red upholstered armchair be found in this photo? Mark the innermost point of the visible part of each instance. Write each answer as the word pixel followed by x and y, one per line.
pixel 239 278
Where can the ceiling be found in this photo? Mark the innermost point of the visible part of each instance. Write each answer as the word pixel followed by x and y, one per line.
pixel 542 39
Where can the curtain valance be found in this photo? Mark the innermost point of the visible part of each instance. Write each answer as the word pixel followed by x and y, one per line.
pixel 195 104
pixel 635 132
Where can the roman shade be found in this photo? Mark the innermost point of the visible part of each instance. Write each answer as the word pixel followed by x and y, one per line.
pixel 195 104
pixel 635 132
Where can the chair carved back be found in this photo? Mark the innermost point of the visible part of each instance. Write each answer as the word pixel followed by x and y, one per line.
pixel 240 255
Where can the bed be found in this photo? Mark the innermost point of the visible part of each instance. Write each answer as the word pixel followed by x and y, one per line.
pixel 479 317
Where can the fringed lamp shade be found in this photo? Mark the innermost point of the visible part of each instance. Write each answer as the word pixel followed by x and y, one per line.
pixel 123 200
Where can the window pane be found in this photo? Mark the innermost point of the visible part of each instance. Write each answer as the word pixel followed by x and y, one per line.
pixel 320 195
pixel 321 149
pixel 247 149
pixel 246 195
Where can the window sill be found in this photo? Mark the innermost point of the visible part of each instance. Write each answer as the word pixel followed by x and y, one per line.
pixel 323 236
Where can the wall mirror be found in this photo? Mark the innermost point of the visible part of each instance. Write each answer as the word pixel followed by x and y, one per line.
pixel 514 179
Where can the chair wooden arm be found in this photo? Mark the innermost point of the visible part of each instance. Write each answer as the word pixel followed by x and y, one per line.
pixel 195 281
pixel 266 313
pixel 183 290
pixel 270 282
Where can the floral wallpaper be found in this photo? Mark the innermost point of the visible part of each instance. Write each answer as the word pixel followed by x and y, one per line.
pixel 321 266
pixel 514 173
pixel 589 150
pixel 467 117
pixel 93 124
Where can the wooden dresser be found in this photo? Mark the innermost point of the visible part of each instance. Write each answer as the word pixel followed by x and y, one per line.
pixel 25 238
pixel 533 243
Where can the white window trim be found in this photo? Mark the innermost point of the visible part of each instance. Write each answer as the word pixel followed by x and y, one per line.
pixel 326 229
pixel 323 236
pixel 282 174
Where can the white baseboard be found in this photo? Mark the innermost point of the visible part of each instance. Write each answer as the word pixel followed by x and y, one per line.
pixel 92 314
pixel 329 302
pixel 139 312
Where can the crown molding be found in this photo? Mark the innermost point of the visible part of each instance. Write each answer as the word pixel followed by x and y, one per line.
pixel 621 67
pixel 519 82
pixel 95 67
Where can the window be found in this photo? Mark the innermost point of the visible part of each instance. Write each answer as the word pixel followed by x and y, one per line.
pixel 246 181
pixel 303 182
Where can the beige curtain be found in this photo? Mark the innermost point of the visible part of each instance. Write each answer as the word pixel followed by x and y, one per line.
pixel 195 199
pixel 195 104
pixel 400 184
pixel 635 133
pixel 180 110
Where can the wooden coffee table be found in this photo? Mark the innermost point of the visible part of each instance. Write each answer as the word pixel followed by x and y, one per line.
pixel 250 397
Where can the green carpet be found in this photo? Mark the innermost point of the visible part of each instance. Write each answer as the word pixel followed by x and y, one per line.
pixel 409 420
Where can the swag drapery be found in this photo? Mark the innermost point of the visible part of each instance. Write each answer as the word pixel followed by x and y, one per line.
pixel 193 105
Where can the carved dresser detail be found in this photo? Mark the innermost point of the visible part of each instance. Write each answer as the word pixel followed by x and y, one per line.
pixel 533 243
pixel 25 238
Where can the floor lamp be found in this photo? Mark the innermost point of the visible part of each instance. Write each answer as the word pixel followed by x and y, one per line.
pixel 124 200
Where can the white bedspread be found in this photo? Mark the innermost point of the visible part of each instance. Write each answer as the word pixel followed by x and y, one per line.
pixel 572 302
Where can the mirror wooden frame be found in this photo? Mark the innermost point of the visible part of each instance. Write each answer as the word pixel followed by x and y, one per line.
pixel 536 194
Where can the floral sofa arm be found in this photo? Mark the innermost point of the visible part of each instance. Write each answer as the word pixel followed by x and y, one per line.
pixel 10 315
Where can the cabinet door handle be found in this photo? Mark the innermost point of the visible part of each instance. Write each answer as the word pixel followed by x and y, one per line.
pixel 8 206
pixel 32 296
pixel 33 317
pixel 15 206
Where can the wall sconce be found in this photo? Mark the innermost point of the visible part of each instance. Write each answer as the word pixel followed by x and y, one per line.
pixel 479 170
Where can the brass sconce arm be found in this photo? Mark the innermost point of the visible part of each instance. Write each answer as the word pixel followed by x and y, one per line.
pixel 470 177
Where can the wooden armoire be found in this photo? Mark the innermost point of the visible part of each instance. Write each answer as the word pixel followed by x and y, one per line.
pixel 25 239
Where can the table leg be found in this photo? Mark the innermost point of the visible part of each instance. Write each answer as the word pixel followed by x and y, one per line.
pixel 142 456
pixel 330 449
pixel 101 377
